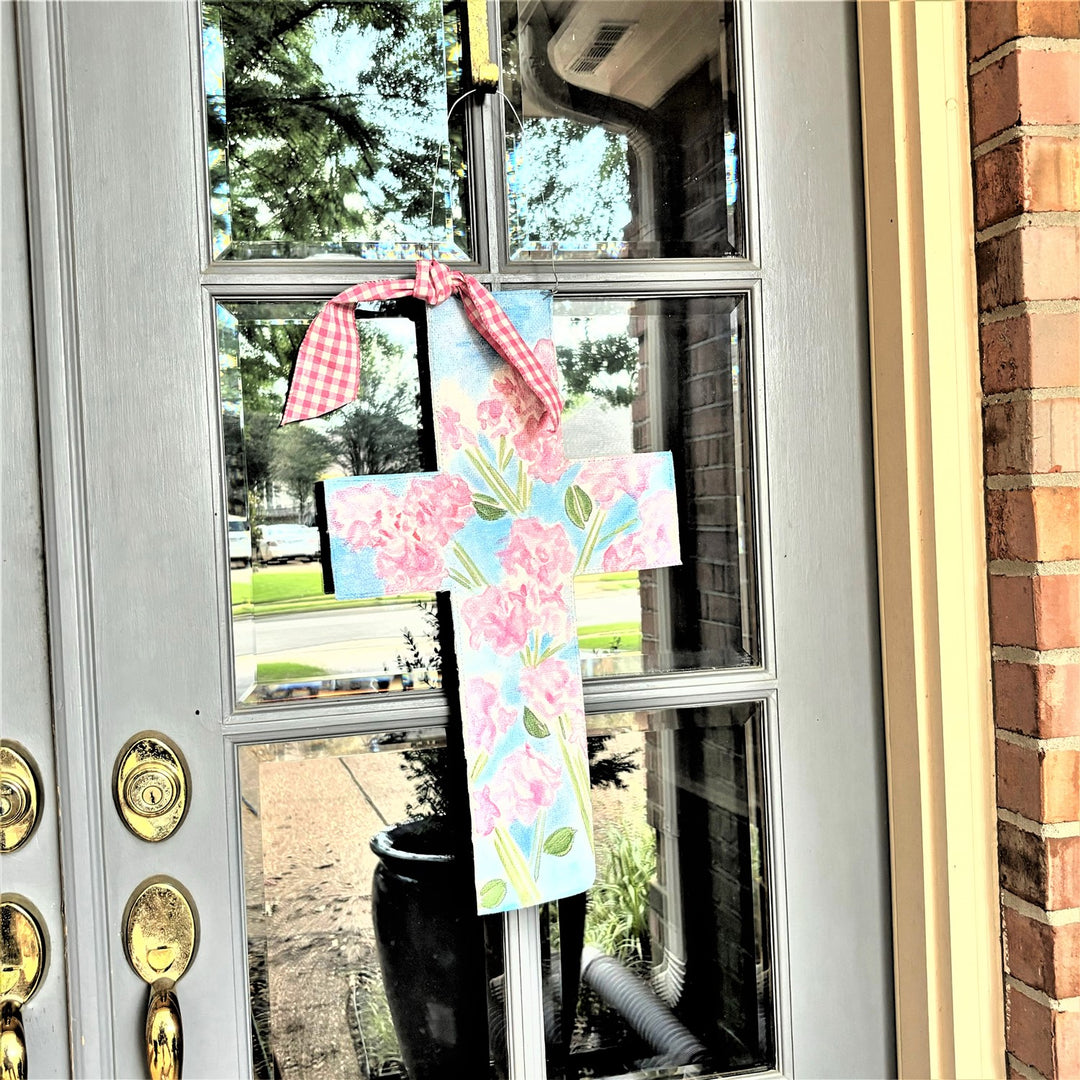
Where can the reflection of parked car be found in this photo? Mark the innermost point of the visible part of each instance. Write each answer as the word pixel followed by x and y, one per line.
pixel 280 542
pixel 239 540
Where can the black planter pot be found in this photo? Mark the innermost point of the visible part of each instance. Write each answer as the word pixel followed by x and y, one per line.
pixel 431 950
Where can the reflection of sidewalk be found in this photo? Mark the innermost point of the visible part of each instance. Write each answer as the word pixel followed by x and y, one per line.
pixel 370 640
pixel 368 657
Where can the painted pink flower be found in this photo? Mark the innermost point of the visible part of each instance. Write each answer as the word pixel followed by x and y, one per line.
pixel 539 552
pixel 495 418
pixel 654 543
pixel 511 403
pixel 406 533
pixel 453 434
pixel 441 504
pixel 409 565
pixel 659 514
pixel 547 611
pixel 627 553
pixel 540 449
pixel 551 690
pixel 499 617
pixel 484 811
pixel 608 479
pixel 525 784
pixel 356 514
pixel 487 716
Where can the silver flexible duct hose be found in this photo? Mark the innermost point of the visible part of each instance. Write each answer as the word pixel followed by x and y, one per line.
pixel 642 1009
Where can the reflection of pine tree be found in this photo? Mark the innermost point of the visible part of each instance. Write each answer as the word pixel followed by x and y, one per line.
pixel 312 155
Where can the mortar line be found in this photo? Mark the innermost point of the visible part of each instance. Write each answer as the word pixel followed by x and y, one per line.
pixel 1033 742
pixel 1022 568
pixel 1057 830
pixel 1032 393
pixel 1028 307
pixel 1021 131
pixel 1037 219
pixel 1024 44
pixel 1059 917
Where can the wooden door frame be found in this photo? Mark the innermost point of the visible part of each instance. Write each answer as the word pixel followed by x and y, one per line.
pixel 931 542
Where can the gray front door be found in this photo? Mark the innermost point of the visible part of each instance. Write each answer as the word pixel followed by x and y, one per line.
pixel 685 176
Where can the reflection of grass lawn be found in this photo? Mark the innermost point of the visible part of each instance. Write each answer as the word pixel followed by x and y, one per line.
pixel 298 589
pixel 291 583
pixel 295 589
pixel 605 635
pixel 286 671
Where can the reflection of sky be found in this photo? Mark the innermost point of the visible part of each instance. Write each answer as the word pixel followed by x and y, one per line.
pixel 599 205
pixel 217 166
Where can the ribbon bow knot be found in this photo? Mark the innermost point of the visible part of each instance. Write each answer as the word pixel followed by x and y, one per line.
pixel 326 374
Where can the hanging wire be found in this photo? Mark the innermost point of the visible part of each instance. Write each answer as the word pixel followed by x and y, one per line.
pixel 438 162
pixel 435 169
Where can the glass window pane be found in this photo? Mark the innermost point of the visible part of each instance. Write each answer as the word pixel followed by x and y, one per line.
pixel 622 133
pixel 366 955
pixel 664 967
pixel 290 639
pixel 327 130
pixel 668 374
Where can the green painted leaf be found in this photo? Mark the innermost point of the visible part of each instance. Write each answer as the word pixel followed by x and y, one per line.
pixel 578 505
pixel 487 508
pixel 560 841
pixel 492 892
pixel 535 726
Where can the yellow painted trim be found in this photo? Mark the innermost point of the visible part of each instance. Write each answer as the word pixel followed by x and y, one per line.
pixel 931 542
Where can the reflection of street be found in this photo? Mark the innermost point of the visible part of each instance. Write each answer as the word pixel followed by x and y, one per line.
pixel 371 639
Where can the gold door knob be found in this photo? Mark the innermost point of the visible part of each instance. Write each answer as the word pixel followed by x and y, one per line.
pixel 160 938
pixel 22 960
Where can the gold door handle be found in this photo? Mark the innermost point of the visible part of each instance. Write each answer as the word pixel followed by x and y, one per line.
pixel 22 950
pixel 12 1042
pixel 485 73
pixel 164 1035
pixel 160 937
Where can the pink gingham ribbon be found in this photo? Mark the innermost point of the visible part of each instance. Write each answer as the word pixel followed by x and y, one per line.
pixel 327 370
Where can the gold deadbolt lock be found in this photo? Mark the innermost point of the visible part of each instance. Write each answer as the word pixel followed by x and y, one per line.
pixel 160 935
pixel 151 787
pixel 20 798
pixel 22 962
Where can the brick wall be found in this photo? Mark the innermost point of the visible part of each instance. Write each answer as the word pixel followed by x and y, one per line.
pixel 1025 122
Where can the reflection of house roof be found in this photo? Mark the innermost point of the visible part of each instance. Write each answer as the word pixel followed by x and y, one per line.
pixel 595 429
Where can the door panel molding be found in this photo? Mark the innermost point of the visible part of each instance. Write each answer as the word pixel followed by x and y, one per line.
pixel 32 871
pixel 66 525
pixel 828 669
